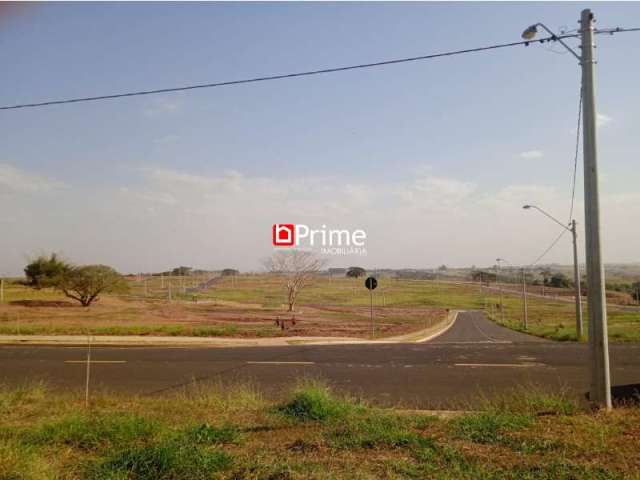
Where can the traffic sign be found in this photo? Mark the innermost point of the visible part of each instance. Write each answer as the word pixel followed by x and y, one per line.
pixel 371 283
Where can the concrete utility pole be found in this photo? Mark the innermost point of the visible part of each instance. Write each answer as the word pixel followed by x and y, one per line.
pixel 498 260
pixel 525 313
pixel 576 281
pixel 576 266
pixel 600 392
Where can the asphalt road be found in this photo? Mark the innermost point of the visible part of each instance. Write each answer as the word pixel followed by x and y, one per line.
pixel 474 356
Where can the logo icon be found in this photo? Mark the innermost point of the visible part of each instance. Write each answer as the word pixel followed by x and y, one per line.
pixel 283 234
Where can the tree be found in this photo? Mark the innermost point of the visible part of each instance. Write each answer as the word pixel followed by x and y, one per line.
pixel 442 268
pixel 181 271
pixel 229 272
pixel 356 272
pixel 298 268
pixel 558 280
pixel 45 271
pixel 85 283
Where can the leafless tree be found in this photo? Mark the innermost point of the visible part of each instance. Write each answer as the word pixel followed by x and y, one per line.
pixel 297 268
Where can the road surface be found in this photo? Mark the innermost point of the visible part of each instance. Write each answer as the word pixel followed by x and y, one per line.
pixel 473 356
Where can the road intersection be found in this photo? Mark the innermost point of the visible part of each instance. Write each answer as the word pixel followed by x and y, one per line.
pixel 473 357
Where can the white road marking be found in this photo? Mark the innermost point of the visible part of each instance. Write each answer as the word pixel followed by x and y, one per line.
pixel 512 365
pixel 281 363
pixel 95 361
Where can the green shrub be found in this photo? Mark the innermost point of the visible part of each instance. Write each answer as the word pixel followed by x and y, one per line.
pixel 315 402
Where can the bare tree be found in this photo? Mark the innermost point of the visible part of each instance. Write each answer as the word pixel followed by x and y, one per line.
pixel 297 268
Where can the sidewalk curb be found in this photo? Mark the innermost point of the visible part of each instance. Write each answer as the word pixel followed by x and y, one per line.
pixel 216 342
pixel 444 330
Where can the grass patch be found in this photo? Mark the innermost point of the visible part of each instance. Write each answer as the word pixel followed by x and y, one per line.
pixel 210 435
pixel 232 432
pixel 490 427
pixel 377 429
pixel 90 432
pixel 169 460
pixel 314 401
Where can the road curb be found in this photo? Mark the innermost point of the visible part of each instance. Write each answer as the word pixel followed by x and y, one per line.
pixel 454 317
pixel 217 342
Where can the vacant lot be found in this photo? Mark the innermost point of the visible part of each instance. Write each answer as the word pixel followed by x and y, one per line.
pixel 309 433
pixel 245 306
pixel 253 306
pixel 555 319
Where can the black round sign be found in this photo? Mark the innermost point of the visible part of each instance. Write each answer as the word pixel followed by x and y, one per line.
pixel 371 283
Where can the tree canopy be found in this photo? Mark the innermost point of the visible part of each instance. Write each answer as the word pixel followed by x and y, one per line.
pixel 45 271
pixel 356 272
pixel 85 283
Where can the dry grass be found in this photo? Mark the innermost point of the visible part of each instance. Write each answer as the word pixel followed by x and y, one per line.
pixel 250 305
pixel 242 309
pixel 233 432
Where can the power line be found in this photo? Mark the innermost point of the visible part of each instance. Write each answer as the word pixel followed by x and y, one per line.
pixel 575 158
pixel 553 38
pixel 283 76
pixel 553 244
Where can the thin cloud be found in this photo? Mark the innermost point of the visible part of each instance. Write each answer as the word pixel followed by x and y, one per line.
pixel 16 180
pixel 162 106
pixel 531 154
pixel 603 120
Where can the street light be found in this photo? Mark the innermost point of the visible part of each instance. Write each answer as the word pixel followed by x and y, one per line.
pixel 498 260
pixel 525 315
pixel 600 391
pixel 530 33
pixel 576 267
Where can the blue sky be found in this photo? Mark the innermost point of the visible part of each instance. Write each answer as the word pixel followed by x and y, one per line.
pixel 433 159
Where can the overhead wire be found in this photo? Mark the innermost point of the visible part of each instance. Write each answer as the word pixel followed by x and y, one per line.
pixel 575 158
pixel 283 76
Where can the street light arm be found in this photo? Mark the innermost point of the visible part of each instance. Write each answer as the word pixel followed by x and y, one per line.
pixel 564 44
pixel 550 216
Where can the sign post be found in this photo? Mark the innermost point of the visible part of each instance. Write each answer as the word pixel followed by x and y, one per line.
pixel 371 283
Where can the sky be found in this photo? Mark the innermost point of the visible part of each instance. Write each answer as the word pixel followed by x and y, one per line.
pixel 433 159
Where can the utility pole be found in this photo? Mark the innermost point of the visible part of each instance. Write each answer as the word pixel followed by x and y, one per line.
pixel 500 289
pixel 1 290
pixel 600 392
pixel 576 281
pixel 525 313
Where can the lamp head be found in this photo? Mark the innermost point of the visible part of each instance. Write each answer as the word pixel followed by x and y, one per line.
pixel 526 207
pixel 530 32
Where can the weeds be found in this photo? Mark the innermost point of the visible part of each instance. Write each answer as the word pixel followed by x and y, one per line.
pixel 313 401
pixel 94 432
pixel 232 432
pixel 490 427
pixel 170 460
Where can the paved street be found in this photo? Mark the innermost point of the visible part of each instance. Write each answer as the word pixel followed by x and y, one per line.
pixel 473 356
